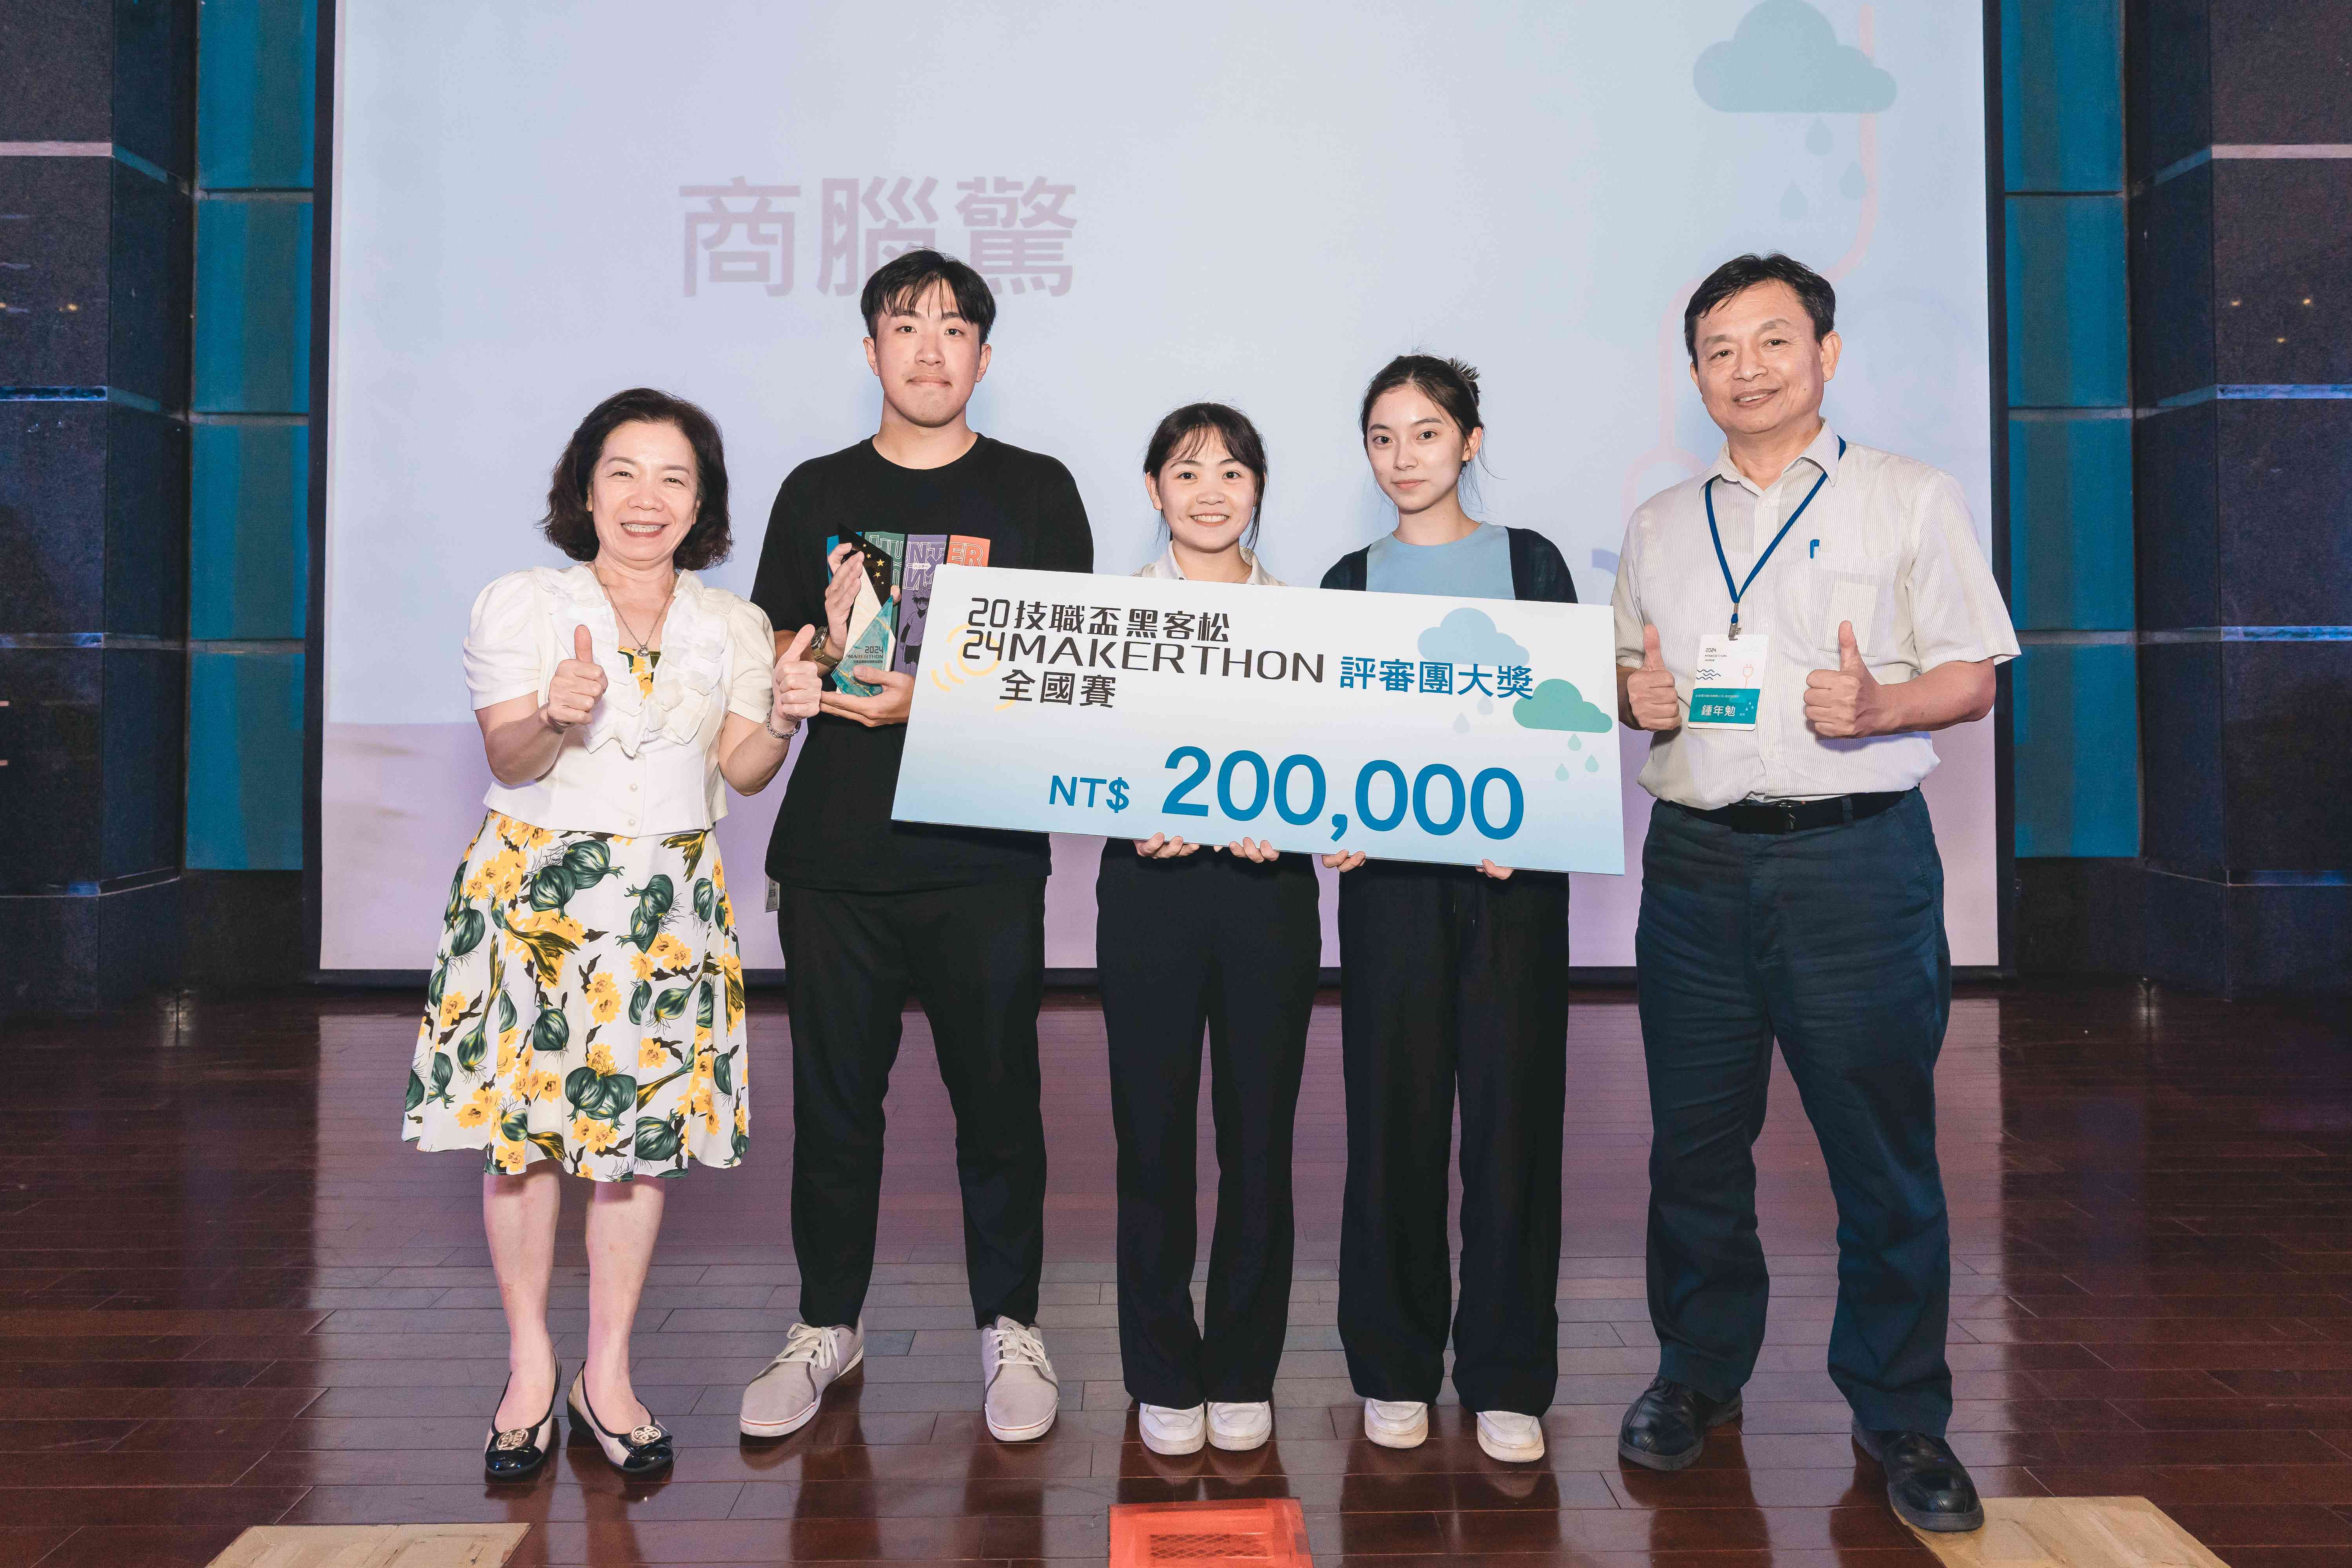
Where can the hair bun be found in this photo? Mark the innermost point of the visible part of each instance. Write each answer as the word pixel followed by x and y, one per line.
pixel 1468 373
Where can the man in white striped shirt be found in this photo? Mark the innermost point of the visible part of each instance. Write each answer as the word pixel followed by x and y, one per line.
pixel 1790 623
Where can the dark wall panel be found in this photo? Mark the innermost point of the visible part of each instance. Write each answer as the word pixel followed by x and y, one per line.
pixel 2284 468
pixel 2175 529
pixel 2080 916
pixel 2187 932
pixel 146 524
pixel 52 511
pixel 94 311
pixel 2282 71
pixel 2289 938
pixel 97 294
pixel 238 924
pixel 2172 288
pixel 50 734
pixel 2181 746
pixel 154 106
pixel 2287 772
pixel 2169 82
pixel 145 754
pixel 52 946
pixel 57 71
pixel 2241 340
pixel 53 332
pixel 148 288
pixel 2283 269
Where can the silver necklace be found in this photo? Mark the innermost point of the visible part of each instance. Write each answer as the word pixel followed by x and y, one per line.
pixel 642 639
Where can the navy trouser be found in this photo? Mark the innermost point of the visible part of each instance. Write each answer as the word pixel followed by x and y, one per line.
pixel 1451 981
pixel 1235 945
pixel 1831 941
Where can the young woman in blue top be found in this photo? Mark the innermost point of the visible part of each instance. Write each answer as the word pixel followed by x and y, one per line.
pixel 1230 937
pixel 1451 977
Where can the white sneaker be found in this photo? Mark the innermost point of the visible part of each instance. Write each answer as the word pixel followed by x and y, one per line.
pixel 783 1398
pixel 1019 1393
pixel 1167 1430
pixel 1396 1423
pixel 1507 1436
pixel 1238 1427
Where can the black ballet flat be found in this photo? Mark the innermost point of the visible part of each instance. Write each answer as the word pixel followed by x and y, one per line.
pixel 517 1453
pixel 641 1451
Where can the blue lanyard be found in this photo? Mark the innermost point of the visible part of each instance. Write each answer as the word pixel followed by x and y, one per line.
pixel 1739 591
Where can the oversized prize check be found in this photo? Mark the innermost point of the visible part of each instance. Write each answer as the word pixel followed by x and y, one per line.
pixel 1410 726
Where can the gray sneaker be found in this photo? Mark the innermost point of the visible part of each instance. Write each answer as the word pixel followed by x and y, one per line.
pixel 784 1397
pixel 1020 1392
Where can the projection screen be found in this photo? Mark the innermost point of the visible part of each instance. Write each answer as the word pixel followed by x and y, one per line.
pixel 537 204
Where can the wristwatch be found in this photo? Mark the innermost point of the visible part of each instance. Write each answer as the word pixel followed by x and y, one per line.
pixel 822 656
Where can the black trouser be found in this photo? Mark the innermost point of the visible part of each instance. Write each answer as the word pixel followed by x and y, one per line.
pixel 1449 976
pixel 1207 939
pixel 1831 940
pixel 975 958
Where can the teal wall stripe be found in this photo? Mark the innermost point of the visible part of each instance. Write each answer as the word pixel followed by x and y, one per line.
pixel 245 761
pixel 2062 95
pixel 249 554
pixel 2070 525
pixel 2074 707
pixel 2077 762
pixel 2068 340
pixel 253 307
pixel 250 491
pixel 256 85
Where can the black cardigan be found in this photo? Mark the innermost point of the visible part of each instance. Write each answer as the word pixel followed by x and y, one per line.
pixel 1537 570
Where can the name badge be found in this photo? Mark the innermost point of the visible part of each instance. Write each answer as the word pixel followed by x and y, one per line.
pixel 1727 682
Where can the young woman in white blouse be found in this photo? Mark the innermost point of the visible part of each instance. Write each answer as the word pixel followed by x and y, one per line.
pixel 586 1009
pixel 1229 938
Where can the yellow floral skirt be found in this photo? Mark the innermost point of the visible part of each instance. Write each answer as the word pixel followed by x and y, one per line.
pixel 586 1007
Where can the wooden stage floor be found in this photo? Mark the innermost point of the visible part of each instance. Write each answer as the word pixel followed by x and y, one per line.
pixel 230 1297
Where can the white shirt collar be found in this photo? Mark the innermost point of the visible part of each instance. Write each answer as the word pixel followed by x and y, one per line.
pixel 1166 567
pixel 1822 453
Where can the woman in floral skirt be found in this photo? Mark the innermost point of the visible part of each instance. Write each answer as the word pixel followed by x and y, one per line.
pixel 586 1014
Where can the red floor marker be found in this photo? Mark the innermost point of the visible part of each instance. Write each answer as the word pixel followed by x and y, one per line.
pixel 1269 1533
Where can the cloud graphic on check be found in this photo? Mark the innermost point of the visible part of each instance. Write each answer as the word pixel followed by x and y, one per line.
pixel 1470 636
pixel 1556 705
pixel 1784 56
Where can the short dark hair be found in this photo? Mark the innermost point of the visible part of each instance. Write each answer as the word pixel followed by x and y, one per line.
pixel 1450 383
pixel 1178 432
pixel 1744 272
pixel 905 279
pixel 569 524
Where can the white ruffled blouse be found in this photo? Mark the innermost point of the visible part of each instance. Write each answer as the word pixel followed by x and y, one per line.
pixel 641 765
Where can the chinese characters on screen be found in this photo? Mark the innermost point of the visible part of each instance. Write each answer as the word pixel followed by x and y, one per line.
pixel 1016 233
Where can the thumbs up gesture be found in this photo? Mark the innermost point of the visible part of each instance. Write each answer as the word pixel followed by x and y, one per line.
pixel 799 684
pixel 578 685
pixel 1650 701
pixel 1846 702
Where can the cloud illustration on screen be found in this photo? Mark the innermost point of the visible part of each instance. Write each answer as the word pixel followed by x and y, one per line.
pixel 1556 705
pixel 1470 636
pixel 1784 58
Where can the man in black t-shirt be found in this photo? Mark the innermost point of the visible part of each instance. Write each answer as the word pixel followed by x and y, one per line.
pixel 872 909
